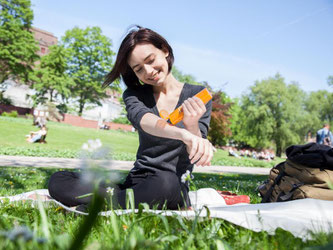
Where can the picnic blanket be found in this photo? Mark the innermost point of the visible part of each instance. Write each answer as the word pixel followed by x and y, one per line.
pixel 300 217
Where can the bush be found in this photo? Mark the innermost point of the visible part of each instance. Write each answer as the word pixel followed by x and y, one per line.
pixel 11 114
pixel 121 120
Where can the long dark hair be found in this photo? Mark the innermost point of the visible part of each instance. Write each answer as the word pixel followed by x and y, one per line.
pixel 136 35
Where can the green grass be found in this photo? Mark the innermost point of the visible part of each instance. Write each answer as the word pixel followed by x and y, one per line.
pixel 54 229
pixel 62 140
pixel 66 141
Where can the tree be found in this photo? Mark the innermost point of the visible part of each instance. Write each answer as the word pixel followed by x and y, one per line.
pixel 188 78
pixel 273 112
pixel 320 105
pixel 219 130
pixel 91 59
pixel 51 78
pixel 17 44
pixel 330 81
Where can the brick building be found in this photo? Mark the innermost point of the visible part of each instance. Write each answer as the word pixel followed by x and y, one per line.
pixel 45 40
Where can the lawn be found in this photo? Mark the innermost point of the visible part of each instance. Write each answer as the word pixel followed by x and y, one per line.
pixel 51 227
pixel 66 141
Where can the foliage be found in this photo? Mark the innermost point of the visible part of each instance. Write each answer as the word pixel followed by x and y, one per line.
pixel 17 44
pixel 11 114
pixel 219 130
pixel 51 78
pixel 273 112
pixel 330 81
pixel 121 120
pixel 90 61
pixel 188 78
pixel 319 104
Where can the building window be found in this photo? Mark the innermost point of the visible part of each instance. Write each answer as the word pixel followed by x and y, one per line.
pixel 43 50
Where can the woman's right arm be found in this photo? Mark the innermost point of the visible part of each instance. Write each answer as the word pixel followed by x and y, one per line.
pixel 200 150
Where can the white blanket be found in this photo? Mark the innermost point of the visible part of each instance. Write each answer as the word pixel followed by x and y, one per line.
pixel 300 217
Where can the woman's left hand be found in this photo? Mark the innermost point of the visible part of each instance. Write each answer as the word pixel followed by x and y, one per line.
pixel 193 109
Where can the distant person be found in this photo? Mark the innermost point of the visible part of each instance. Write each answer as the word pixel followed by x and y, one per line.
pixel 38 136
pixel 324 135
pixel 233 153
pixel 40 121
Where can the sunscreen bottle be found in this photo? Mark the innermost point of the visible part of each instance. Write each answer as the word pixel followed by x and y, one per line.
pixel 178 114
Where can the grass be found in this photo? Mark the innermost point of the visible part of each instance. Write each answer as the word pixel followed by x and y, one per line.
pixel 66 141
pixel 51 228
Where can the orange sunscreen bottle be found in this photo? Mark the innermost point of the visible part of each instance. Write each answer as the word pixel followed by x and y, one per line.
pixel 177 115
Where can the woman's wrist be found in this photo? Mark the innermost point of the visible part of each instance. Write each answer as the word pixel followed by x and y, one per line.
pixel 186 136
pixel 194 129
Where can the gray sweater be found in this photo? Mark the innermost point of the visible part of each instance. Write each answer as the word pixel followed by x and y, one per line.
pixel 157 153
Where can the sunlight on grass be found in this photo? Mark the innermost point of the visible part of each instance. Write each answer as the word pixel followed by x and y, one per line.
pixel 65 141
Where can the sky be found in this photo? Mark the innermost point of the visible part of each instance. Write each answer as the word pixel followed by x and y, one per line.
pixel 229 44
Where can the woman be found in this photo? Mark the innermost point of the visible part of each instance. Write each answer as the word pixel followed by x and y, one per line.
pixel 166 152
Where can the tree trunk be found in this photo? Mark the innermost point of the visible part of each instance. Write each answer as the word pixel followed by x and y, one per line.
pixel 51 95
pixel 278 147
pixel 81 108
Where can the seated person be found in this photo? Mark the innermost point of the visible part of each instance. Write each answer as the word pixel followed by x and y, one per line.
pixel 38 136
pixel 233 153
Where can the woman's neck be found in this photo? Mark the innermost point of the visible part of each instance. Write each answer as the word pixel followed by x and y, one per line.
pixel 170 84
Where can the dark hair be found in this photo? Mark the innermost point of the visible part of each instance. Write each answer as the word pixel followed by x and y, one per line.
pixel 137 35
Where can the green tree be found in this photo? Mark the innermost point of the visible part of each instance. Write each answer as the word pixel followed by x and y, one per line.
pixel 236 123
pixel 51 78
pixel 91 59
pixel 320 105
pixel 17 44
pixel 330 81
pixel 180 76
pixel 273 112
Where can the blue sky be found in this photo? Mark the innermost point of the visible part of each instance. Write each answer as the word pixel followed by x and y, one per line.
pixel 230 44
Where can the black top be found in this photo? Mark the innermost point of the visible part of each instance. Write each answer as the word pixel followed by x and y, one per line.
pixel 157 153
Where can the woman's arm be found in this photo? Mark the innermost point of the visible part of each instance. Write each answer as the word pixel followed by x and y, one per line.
pixel 194 109
pixel 200 150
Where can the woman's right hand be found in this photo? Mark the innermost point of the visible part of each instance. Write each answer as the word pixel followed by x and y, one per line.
pixel 200 150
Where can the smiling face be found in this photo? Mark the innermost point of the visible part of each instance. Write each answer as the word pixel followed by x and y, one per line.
pixel 149 64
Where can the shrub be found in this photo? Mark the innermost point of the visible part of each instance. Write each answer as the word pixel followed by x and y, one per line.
pixel 121 120
pixel 11 114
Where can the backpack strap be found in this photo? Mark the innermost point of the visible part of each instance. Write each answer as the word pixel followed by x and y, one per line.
pixel 266 197
pixel 289 194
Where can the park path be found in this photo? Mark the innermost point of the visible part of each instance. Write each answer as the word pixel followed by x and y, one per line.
pixel 27 161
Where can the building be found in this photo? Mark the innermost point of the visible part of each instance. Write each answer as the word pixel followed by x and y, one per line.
pixel 45 40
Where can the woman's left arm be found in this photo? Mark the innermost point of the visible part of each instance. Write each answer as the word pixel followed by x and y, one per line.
pixel 196 116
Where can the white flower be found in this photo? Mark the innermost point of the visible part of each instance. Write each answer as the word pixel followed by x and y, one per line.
pixel 186 176
pixel 95 160
pixel 92 145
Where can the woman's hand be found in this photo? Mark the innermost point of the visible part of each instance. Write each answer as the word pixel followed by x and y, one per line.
pixel 200 150
pixel 193 109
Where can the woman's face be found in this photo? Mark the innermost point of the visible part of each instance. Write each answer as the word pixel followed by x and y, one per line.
pixel 149 64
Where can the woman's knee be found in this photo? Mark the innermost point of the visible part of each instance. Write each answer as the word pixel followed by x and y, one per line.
pixel 60 181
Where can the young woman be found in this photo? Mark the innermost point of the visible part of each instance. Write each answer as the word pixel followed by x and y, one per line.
pixel 144 62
